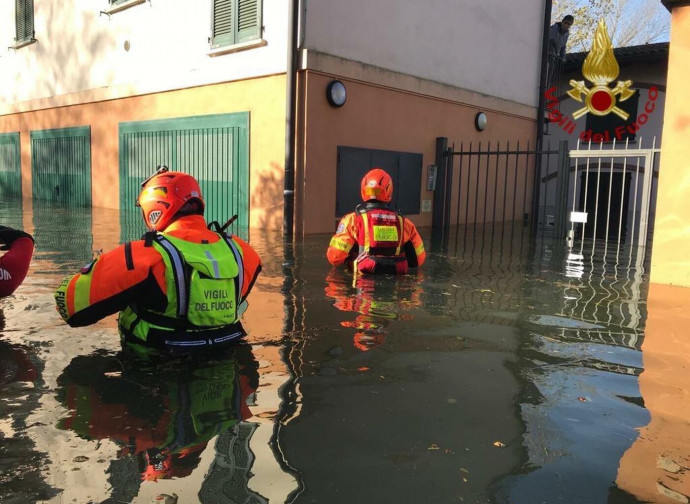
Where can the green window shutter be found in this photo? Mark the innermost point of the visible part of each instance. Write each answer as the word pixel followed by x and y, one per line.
pixel 248 20
pixel 235 21
pixel 223 23
pixel 24 17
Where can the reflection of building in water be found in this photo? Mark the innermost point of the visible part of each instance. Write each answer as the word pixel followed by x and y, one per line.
pixel 656 468
pixel 20 390
pixel 162 414
pixel 377 300
pixel 63 235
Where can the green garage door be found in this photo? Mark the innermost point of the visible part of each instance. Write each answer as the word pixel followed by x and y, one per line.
pixel 10 166
pixel 61 166
pixel 213 148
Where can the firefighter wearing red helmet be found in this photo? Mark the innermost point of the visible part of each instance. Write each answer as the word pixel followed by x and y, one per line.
pixel 374 238
pixel 182 286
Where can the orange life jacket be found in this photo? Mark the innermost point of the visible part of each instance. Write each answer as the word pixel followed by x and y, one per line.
pixel 380 234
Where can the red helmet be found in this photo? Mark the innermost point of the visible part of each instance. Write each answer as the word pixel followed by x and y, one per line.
pixel 377 185
pixel 164 194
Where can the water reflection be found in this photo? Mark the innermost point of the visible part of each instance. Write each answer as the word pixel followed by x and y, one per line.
pixel 63 236
pixel 162 415
pixel 400 386
pixel 21 386
pixel 376 301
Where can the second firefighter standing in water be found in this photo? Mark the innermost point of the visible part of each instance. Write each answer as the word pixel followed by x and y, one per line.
pixel 374 238
pixel 182 286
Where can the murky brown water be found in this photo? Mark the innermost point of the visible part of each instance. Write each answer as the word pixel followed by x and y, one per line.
pixel 489 376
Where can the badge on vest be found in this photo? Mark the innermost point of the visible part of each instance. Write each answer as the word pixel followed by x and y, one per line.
pixel 385 233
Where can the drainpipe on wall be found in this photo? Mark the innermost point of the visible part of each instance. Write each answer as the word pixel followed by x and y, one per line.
pixel 291 100
pixel 540 112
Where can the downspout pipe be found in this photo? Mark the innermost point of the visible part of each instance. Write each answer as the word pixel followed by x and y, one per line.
pixel 290 108
pixel 541 112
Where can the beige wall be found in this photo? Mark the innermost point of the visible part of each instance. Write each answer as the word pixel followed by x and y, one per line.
pixel 491 46
pixel 266 136
pixel 670 257
pixel 148 48
pixel 387 117
pixel 655 468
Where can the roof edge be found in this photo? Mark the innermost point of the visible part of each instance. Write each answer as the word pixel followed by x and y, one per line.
pixel 670 4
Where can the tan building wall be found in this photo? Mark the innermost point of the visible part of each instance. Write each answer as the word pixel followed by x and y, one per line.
pixel 655 468
pixel 389 112
pixel 266 135
pixel 670 258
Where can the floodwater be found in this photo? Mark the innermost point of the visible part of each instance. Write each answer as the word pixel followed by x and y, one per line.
pixel 498 373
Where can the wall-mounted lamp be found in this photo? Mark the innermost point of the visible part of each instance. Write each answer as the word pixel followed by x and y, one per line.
pixel 336 93
pixel 480 121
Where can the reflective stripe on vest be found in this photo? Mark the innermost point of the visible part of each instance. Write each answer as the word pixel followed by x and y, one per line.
pixel 240 264
pixel 179 274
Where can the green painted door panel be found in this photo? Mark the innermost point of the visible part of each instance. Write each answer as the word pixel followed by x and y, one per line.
pixel 61 165
pixel 10 167
pixel 214 149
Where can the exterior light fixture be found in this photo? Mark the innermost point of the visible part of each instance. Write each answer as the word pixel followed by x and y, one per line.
pixel 336 93
pixel 480 121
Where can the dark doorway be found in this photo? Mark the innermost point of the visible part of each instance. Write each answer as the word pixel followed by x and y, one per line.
pixel 598 207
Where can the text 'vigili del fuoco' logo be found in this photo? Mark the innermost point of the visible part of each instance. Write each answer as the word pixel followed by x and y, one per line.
pixel 601 69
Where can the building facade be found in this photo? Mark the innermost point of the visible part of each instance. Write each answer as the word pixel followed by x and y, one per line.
pixel 95 95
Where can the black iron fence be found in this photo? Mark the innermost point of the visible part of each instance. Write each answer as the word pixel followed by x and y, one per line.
pixel 497 185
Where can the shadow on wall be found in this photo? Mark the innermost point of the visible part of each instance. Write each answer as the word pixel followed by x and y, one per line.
pixel 66 63
pixel 268 189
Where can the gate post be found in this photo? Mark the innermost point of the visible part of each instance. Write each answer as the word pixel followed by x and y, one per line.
pixel 438 211
pixel 561 206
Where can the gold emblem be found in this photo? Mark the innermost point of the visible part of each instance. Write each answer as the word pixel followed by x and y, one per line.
pixel 601 68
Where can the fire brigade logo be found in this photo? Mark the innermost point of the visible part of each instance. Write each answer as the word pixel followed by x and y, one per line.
pixel 600 68
pixel 154 216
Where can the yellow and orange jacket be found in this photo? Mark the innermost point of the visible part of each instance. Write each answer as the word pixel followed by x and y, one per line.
pixel 351 243
pixel 134 275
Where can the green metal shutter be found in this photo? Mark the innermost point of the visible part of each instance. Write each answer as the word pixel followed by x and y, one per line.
pixel 248 20
pixel 61 165
pixel 214 149
pixel 10 167
pixel 24 18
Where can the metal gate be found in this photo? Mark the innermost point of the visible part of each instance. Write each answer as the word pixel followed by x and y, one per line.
pixel 594 197
pixel 10 166
pixel 486 191
pixel 212 148
pixel 611 198
pixel 61 165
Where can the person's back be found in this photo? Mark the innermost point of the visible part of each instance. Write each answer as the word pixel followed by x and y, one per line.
pixel 14 264
pixel 374 238
pixel 183 285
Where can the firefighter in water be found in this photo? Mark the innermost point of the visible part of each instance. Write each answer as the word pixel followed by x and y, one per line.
pixel 374 238
pixel 14 264
pixel 182 286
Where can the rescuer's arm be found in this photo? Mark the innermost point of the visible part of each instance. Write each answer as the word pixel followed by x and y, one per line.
pixel 128 275
pixel 251 265
pixel 340 249
pixel 414 247
pixel 15 263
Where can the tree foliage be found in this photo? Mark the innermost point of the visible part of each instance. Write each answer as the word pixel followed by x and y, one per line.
pixel 629 22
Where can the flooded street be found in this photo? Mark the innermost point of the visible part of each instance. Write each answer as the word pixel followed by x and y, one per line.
pixel 498 373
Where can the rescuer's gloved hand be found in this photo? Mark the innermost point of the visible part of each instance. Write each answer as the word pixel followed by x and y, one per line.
pixel 8 235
